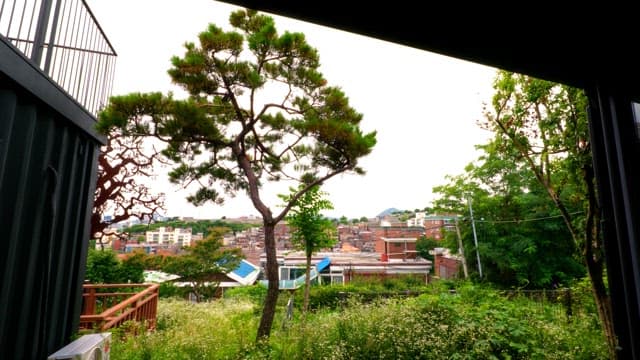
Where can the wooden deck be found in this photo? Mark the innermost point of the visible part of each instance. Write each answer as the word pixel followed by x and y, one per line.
pixel 107 306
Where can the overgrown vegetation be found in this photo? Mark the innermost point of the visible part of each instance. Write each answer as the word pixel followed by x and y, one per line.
pixel 103 267
pixel 198 226
pixel 471 322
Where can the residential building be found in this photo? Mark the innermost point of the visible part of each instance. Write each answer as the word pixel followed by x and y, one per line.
pixel 337 267
pixel 394 232
pixel 150 248
pixel 403 248
pixel 171 236
pixel 446 265
pixel 417 220
pixel 434 225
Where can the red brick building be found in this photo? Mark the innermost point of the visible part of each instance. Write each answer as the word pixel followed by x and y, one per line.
pixel 397 248
pixel 394 232
pixel 445 265
pixel 435 226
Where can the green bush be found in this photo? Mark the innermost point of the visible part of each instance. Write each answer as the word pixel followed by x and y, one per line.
pixel 474 322
pixel 103 267
pixel 255 293
pixel 169 290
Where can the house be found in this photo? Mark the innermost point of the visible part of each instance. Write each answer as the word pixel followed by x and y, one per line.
pixel 244 274
pixel 445 264
pixel 435 225
pixel 339 268
pixel 398 248
pixel 394 232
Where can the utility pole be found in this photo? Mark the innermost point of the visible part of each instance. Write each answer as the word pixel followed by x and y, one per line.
pixel 475 237
pixel 464 260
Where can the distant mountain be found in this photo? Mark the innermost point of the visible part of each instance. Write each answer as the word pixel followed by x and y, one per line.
pixel 389 211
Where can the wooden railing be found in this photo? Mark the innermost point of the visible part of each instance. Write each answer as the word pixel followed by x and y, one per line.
pixel 102 310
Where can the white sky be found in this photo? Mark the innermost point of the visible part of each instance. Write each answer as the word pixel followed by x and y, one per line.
pixel 423 105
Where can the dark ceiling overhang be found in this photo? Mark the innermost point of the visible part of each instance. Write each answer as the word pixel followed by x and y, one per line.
pixel 583 45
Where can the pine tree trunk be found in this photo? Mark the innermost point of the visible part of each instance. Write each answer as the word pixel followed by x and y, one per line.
pixel 270 302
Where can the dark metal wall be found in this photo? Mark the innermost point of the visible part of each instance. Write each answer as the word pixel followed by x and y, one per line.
pixel 616 150
pixel 48 163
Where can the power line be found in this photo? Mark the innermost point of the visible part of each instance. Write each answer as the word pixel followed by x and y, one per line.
pixel 527 220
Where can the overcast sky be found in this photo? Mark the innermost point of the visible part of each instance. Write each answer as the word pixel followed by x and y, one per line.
pixel 423 105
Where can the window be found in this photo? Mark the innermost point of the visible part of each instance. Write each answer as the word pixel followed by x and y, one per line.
pixel 284 273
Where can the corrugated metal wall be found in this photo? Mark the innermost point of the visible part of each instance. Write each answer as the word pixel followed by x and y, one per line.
pixel 48 154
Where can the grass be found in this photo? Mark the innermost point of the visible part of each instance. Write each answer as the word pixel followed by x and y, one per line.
pixel 472 323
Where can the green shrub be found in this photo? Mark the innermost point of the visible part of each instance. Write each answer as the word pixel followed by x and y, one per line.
pixel 474 322
pixel 103 267
pixel 168 290
pixel 255 293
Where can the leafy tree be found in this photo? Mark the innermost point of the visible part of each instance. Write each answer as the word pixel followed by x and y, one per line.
pixel 343 220
pixel 515 250
pixel 424 245
pixel 364 219
pixel 544 125
pixel 311 231
pixel 121 162
pixel 132 268
pixel 254 115
pixel 538 165
pixel 103 267
pixel 203 264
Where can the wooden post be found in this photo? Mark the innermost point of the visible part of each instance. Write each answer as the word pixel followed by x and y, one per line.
pixel 89 302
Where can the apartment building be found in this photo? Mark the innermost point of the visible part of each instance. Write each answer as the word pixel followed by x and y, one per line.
pixel 171 236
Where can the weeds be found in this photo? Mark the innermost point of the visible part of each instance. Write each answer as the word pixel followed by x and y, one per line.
pixel 470 323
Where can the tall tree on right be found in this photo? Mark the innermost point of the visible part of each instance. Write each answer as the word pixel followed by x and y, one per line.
pixel 543 126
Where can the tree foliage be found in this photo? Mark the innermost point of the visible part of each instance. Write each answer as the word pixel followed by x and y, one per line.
pixel 541 141
pixel 254 114
pixel 546 125
pixel 424 245
pixel 203 263
pixel 522 240
pixel 103 267
pixel 310 230
pixel 197 226
pixel 528 171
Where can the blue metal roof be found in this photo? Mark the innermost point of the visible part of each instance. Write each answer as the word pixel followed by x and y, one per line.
pixel 244 269
pixel 323 264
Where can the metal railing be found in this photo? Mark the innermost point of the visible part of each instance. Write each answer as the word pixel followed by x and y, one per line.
pixel 64 39
pixel 105 310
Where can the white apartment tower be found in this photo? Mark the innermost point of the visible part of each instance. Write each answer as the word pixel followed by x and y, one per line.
pixel 168 235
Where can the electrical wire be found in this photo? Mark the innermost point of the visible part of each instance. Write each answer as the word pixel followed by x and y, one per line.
pixel 527 220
